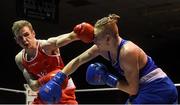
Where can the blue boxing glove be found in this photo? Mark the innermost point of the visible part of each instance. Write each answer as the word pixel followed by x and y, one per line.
pixel 97 75
pixel 51 92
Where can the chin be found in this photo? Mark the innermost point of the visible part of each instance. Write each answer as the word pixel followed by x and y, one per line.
pixel 27 47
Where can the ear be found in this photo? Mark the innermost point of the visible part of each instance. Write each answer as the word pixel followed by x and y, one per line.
pixel 16 40
pixel 108 39
pixel 33 32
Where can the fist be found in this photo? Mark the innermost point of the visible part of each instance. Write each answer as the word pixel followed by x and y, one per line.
pixel 85 32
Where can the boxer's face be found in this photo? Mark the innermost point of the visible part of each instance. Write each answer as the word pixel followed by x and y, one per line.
pixel 25 37
pixel 97 36
pixel 100 38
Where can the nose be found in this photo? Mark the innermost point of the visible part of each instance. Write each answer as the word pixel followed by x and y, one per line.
pixel 23 38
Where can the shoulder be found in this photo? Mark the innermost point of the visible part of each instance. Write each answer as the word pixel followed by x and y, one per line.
pixel 130 52
pixel 42 42
pixel 130 48
pixel 18 59
pixel 47 47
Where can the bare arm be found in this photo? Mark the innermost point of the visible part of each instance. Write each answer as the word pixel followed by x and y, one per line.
pixel 83 32
pixel 34 85
pixel 81 59
pixel 130 65
pixel 59 41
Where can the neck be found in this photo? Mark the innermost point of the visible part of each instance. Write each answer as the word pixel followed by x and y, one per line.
pixel 114 46
pixel 113 49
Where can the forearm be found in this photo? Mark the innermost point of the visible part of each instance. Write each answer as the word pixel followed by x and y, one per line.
pixel 33 84
pixel 71 67
pixel 65 39
pixel 61 40
pixel 124 86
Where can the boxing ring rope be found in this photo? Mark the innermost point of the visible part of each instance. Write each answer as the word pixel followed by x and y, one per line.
pixel 12 90
pixel 30 95
pixel 105 89
pixel 79 90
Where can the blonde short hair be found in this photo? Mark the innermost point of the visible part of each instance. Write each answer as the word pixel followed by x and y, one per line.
pixel 108 24
pixel 17 25
pixel 105 20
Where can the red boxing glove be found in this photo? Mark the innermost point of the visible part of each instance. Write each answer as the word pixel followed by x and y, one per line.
pixel 43 80
pixel 85 32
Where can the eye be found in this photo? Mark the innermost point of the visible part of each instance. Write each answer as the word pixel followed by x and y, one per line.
pixel 26 34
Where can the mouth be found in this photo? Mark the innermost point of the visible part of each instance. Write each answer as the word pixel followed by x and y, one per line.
pixel 25 44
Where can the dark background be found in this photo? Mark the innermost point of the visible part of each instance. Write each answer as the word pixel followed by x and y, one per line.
pixel 151 24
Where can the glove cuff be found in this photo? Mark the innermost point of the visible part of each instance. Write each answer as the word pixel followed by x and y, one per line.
pixel 59 78
pixel 111 80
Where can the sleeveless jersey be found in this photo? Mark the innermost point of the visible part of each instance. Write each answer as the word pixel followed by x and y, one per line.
pixel 42 64
pixel 151 78
pixel 150 66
